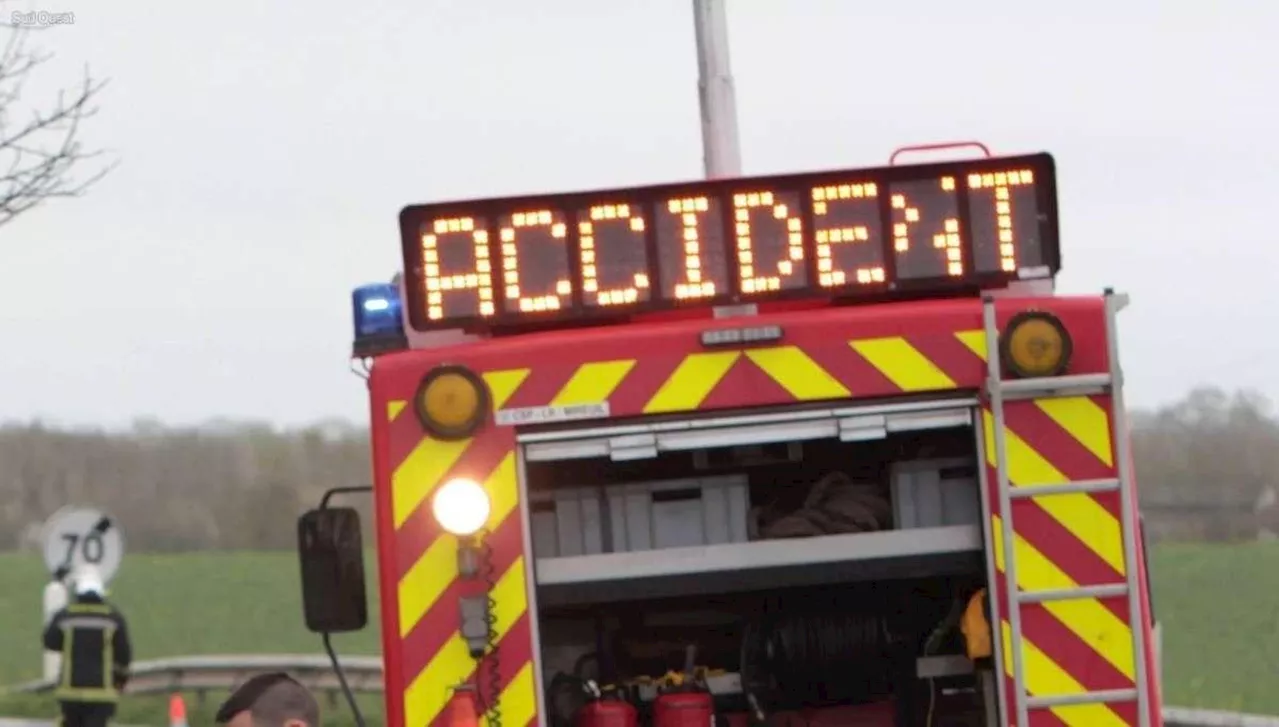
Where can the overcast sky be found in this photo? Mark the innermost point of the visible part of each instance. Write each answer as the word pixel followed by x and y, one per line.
pixel 266 150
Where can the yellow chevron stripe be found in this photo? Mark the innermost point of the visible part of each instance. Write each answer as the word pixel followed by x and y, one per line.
pixel 592 383
pixel 503 489
pixel 903 364
pixel 428 693
pixel 394 407
pixel 692 380
pixel 423 583
pixel 502 384
pixel 800 375
pixel 1045 678
pixel 1078 512
pixel 428 578
pixel 517 701
pixel 975 341
pixel 1084 420
pixel 1087 618
pixel 427 464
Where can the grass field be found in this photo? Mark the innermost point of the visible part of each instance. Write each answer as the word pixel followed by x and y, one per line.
pixel 1218 605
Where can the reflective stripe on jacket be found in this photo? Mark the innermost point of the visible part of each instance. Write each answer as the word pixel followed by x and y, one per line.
pixel 94 641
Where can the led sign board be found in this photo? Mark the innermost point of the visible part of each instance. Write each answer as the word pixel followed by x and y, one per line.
pixel 859 233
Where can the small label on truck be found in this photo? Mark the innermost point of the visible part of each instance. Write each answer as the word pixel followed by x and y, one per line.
pixel 547 414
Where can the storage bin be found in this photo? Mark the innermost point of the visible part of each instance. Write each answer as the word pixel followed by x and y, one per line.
pixel 676 513
pixel 567 522
pixel 935 493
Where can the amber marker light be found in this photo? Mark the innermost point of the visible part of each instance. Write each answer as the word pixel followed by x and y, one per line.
pixel 1035 344
pixel 451 402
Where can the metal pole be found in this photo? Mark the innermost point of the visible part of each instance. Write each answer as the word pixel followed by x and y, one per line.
pixel 55 599
pixel 715 91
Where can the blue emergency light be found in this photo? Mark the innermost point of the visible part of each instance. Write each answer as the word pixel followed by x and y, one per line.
pixel 375 310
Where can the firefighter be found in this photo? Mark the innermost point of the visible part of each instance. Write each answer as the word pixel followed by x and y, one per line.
pixel 93 639
pixel 270 700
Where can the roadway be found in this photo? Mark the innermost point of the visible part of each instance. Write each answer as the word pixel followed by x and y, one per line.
pixel 1174 717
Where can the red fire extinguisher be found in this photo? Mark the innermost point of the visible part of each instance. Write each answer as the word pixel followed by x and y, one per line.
pixel 687 704
pixel 684 708
pixel 604 711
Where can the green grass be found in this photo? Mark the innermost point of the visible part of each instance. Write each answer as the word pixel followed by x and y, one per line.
pixel 208 603
pixel 1218 605
pixel 179 605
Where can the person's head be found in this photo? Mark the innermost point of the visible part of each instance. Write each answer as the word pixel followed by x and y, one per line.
pixel 87 582
pixel 270 700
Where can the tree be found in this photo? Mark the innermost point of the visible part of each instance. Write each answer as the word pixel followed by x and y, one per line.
pixel 41 156
pixel 1204 462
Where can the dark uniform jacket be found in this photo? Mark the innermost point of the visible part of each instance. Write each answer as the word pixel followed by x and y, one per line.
pixel 94 641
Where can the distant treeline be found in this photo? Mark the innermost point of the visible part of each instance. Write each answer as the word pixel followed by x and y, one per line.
pixel 1204 463
pixel 226 485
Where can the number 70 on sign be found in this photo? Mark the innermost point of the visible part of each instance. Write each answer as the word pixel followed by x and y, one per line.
pixel 75 537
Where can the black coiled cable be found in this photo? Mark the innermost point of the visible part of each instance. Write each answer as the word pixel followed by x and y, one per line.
pixel 493 710
pixel 818 657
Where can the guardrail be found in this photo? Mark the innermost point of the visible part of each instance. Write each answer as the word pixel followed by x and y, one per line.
pixel 1178 717
pixel 223 672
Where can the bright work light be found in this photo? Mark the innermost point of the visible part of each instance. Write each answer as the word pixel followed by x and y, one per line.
pixel 461 506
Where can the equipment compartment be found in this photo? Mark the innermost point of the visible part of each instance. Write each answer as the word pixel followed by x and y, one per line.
pixel 887 653
pixel 880 496
pixel 826 578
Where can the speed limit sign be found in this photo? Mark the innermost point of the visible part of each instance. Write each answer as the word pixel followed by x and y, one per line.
pixel 80 536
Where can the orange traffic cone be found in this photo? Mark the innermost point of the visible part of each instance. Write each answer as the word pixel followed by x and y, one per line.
pixel 462 709
pixel 177 711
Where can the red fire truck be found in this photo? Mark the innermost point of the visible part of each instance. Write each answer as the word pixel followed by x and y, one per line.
pixel 823 447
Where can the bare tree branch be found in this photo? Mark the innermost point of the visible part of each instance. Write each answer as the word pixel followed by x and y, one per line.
pixel 41 156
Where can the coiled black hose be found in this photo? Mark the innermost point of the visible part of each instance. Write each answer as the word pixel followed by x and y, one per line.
pixel 818 657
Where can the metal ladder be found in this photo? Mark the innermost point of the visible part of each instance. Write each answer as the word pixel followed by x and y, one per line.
pixel 1000 390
